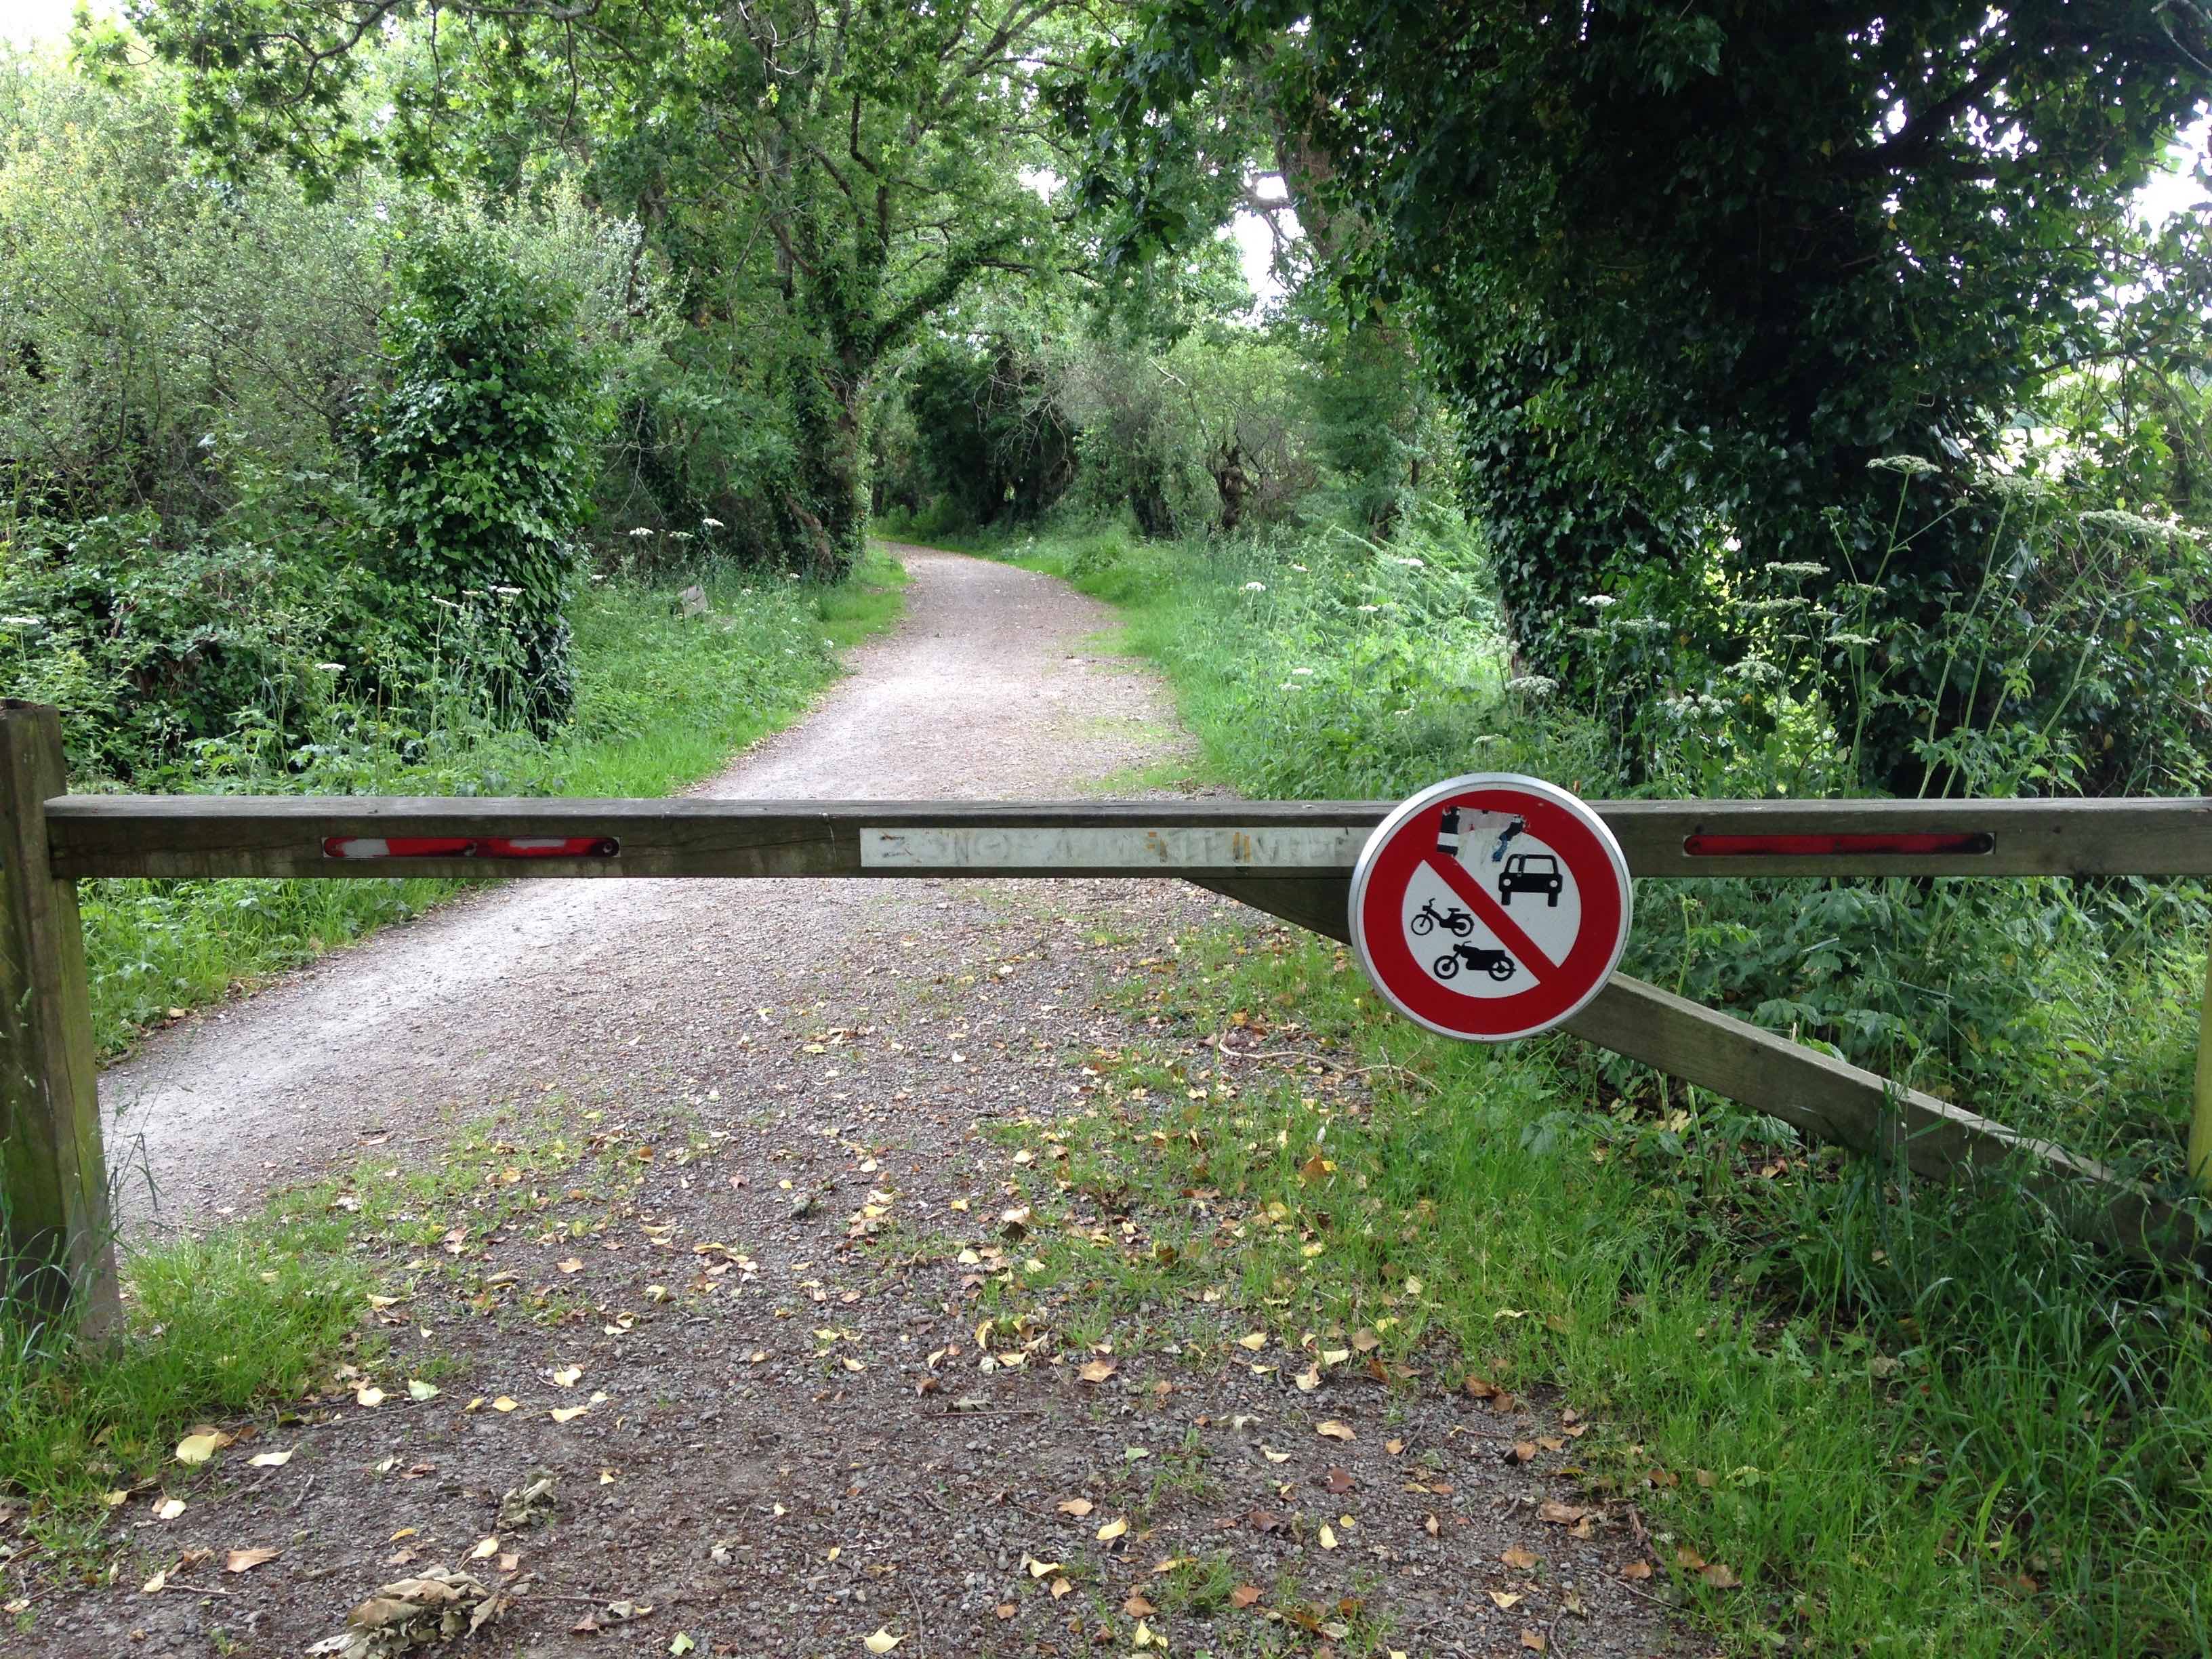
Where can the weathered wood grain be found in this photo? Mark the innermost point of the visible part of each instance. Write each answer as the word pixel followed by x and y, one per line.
pixel 1834 1100
pixel 58 1238
pixel 281 835
pixel 1828 1099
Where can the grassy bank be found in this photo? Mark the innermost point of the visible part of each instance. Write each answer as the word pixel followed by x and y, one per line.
pixel 662 701
pixel 1903 1419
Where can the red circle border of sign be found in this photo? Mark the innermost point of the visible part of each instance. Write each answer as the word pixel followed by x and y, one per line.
pixel 1398 847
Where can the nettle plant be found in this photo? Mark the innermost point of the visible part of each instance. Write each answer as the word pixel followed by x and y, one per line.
pixel 480 460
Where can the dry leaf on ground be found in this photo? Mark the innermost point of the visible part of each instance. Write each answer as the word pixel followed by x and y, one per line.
pixel 433 1605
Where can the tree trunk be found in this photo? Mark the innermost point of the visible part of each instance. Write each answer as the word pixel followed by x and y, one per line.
pixel 827 506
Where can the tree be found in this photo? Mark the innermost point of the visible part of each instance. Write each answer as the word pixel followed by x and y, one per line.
pixel 826 177
pixel 1686 268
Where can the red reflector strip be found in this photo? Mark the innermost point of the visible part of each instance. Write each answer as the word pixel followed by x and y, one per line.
pixel 470 846
pixel 1965 842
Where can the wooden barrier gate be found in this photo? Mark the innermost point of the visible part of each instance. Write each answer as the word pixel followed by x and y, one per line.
pixel 1292 859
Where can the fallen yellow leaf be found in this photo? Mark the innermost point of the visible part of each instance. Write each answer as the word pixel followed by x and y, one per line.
pixel 1328 1536
pixel 198 1448
pixel 503 1404
pixel 567 1414
pixel 1336 1430
pixel 485 1550
pixel 247 1561
pixel 1112 1530
pixel 882 1642
pixel 170 1509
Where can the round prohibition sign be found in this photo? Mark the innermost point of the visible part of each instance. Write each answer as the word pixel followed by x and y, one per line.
pixel 1491 906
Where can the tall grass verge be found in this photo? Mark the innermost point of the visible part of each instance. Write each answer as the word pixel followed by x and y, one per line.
pixel 1913 1418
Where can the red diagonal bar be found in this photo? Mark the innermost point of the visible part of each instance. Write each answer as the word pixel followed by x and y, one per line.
pixel 1473 894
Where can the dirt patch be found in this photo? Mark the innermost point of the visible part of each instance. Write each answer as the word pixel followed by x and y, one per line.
pixel 735 1188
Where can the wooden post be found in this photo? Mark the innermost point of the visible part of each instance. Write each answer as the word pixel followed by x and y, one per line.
pixel 56 1241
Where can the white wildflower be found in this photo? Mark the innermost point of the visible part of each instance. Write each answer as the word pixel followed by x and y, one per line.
pixel 1255 588
pixel 1910 466
pixel 1600 601
pixel 24 622
pixel 1852 638
pixel 1533 685
pixel 2125 524
pixel 1771 607
pixel 641 531
pixel 1754 670
pixel 1368 610
pixel 1795 568
pixel 1411 564
pixel 1300 567
pixel 712 524
pixel 507 593
pixel 1300 672
pixel 331 667
pixel 1641 625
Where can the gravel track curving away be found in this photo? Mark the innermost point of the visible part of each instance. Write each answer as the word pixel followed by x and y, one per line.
pixel 789 1443
pixel 994 685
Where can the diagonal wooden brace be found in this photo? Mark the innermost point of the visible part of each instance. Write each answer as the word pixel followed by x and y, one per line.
pixel 1827 1099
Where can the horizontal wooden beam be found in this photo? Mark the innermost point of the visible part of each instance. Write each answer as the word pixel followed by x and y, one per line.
pixel 199 835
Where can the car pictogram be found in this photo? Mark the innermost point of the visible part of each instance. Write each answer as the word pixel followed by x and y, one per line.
pixel 1531 873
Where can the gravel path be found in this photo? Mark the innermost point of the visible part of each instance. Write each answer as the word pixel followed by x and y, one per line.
pixel 722 1164
pixel 995 685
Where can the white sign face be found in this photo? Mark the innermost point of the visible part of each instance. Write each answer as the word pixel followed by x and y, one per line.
pixel 1535 889
pixel 1491 906
pixel 1286 846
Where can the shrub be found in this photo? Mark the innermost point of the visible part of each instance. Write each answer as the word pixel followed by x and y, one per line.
pixel 479 459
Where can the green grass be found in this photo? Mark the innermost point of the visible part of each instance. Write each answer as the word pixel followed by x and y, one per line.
pixel 661 702
pixel 1946 1430
pixel 1926 1420
pixel 216 1327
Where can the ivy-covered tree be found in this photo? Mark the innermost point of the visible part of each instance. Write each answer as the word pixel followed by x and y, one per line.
pixel 824 177
pixel 479 461
pixel 1686 268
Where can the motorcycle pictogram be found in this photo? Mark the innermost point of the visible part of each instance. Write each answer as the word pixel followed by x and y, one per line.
pixel 1496 963
pixel 1453 920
